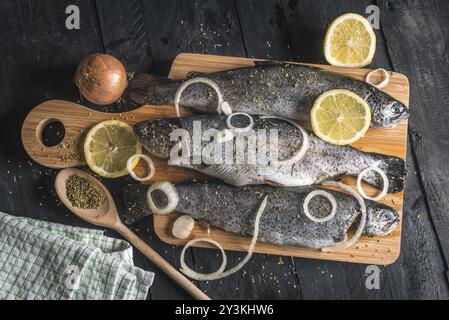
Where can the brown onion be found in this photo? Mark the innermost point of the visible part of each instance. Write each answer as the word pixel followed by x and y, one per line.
pixel 101 78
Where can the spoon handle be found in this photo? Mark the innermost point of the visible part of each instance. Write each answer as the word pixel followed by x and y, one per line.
pixel 163 264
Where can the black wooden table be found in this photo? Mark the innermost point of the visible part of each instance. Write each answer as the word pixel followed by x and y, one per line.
pixel 39 56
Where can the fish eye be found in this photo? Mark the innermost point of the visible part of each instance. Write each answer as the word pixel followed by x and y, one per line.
pixel 384 216
pixel 396 109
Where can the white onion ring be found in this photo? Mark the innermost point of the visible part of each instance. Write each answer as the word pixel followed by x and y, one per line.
pixel 224 135
pixel 329 197
pixel 220 273
pixel 150 163
pixel 381 84
pixel 240 130
pixel 384 191
pixel 209 82
pixel 361 227
pixel 172 195
pixel 299 154
pixel 203 276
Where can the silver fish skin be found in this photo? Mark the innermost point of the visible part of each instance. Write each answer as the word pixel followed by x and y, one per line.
pixel 269 88
pixel 321 161
pixel 283 222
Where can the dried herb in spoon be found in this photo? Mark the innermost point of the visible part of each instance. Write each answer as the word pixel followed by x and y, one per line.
pixel 82 193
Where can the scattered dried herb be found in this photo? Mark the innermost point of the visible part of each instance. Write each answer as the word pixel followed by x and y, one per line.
pixel 82 193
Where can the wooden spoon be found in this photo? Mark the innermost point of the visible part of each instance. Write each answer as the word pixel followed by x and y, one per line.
pixel 107 216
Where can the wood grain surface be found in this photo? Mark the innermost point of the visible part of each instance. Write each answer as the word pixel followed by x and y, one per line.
pixel 390 141
pixel 77 120
pixel 40 56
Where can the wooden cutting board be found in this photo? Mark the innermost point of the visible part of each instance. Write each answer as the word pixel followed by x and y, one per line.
pixel 77 120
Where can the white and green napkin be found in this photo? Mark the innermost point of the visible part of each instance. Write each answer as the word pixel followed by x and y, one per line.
pixel 42 260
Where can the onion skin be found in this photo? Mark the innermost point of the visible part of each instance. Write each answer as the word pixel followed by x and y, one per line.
pixel 101 78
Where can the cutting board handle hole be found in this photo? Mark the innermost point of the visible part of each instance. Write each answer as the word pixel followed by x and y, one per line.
pixel 50 132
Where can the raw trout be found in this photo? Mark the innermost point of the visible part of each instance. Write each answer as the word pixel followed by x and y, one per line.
pixel 269 88
pixel 283 222
pixel 321 160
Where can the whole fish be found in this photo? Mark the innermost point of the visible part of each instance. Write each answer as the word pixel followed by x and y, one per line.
pixel 268 88
pixel 283 222
pixel 321 160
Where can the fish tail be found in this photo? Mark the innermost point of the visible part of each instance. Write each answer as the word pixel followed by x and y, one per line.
pixel 150 89
pixel 395 170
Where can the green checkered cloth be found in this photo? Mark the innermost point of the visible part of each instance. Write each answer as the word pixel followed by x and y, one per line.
pixel 42 260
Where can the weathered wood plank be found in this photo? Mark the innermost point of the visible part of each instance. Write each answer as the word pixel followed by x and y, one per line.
pixel 307 22
pixel 39 58
pixel 124 33
pixel 263 29
pixel 195 26
pixel 212 27
pixel 265 35
pixel 420 52
pixel 419 273
pixel 191 26
pixel 333 280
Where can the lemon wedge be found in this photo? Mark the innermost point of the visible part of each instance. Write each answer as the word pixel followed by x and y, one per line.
pixel 108 146
pixel 350 41
pixel 340 117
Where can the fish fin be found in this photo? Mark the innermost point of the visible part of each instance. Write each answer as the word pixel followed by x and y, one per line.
pixel 335 177
pixel 395 170
pixel 264 63
pixel 134 200
pixel 271 183
pixel 194 74
pixel 142 88
pixel 337 247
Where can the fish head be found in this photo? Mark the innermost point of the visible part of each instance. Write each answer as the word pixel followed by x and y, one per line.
pixel 155 134
pixel 381 220
pixel 386 111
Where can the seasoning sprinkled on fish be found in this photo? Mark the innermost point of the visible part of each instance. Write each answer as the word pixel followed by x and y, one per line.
pixel 283 221
pixel 268 88
pixel 321 160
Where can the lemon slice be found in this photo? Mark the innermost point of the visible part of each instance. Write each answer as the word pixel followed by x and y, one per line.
pixel 108 146
pixel 340 117
pixel 350 41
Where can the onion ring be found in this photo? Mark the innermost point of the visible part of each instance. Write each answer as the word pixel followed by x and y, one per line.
pixel 150 163
pixel 240 130
pixel 209 82
pixel 203 276
pixel 381 84
pixel 361 227
pixel 329 197
pixel 169 190
pixel 299 154
pixel 220 273
pixel 384 191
